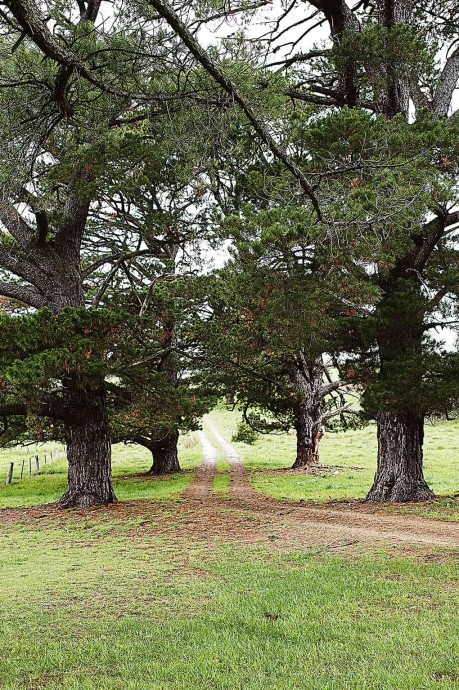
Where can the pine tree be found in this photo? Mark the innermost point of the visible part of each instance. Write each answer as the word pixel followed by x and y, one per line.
pixel 381 57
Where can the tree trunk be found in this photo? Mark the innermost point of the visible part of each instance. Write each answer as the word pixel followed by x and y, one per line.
pixel 88 450
pixel 399 476
pixel 308 426
pixel 307 377
pixel 165 455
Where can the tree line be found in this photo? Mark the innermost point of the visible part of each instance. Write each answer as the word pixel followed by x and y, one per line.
pixel 323 166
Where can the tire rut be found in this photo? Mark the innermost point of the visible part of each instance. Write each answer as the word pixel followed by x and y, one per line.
pixel 247 516
pixel 201 488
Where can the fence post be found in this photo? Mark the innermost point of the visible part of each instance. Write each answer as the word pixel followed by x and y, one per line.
pixel 37 463
pixel 22 468
pixel 30 466
pixel 9 477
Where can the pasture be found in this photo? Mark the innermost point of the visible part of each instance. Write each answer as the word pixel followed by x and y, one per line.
pixel 165 592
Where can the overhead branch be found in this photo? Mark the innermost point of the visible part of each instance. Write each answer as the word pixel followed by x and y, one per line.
pixel 344 409
pixel 13 410
pixel 342 19
pixel 439 295
pixel 299 57
pixel 14 223
pixel 419 98
pixel 106 283
pixel 331 387
pixel 432 233
pixel 211 66
pixel 29 18
pixel 311 97
pixel 20 267
pixel 225 13
pixel 70 232
pixel 51 406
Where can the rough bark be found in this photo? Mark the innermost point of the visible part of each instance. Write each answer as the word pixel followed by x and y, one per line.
pixel 393 98
pixel 88 450
pixel 50 271
pixel 307 377
pixel 308 434
pixel 401 424
pixel 165 455
pixel 342 20
pixel 399 476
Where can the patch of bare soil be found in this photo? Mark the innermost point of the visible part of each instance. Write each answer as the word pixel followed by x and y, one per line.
pixel 319 470
pixel 297 523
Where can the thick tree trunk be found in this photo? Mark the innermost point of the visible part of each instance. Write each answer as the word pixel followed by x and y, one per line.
pixel 88 451
pixel 399 476
pixel 308 435
pixel 165 455
pixel 307 377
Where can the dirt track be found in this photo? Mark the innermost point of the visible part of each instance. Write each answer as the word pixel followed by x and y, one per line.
pixel 201 487
pixel 294 522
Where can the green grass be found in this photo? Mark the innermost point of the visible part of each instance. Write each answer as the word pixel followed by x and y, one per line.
pixel 128 461
pixel 221 484
pixel 352 448
pixel 99 605
pixel 107 602
pixel 274 452
pixel 24 453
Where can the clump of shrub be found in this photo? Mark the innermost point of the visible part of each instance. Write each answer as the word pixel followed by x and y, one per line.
pixel 244 434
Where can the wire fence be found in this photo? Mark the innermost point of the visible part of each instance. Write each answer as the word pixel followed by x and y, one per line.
pixel 33 464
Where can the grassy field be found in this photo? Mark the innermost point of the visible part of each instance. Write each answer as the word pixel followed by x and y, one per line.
pixel 351 457
pixel 267 459
pixel 352 449
pixel 103 605
pixel 125 599
pixel 129 463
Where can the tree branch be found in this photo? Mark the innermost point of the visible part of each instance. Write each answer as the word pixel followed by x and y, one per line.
pixel 23 294
pixel 15 224
pixel 209 64
pixel 33 25
pixel 330 387
pixel 447 83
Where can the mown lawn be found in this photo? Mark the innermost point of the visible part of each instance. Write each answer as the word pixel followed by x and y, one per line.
pixel 346 450
pixel 99 605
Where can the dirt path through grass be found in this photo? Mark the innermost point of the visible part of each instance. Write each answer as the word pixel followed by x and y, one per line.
pixel 296 523
pixel 240 487
pixel 247 516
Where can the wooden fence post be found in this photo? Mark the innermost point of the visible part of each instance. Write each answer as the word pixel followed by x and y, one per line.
pixel 22 468
pixel 9 478
pixel 30 466
pixel 37 463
